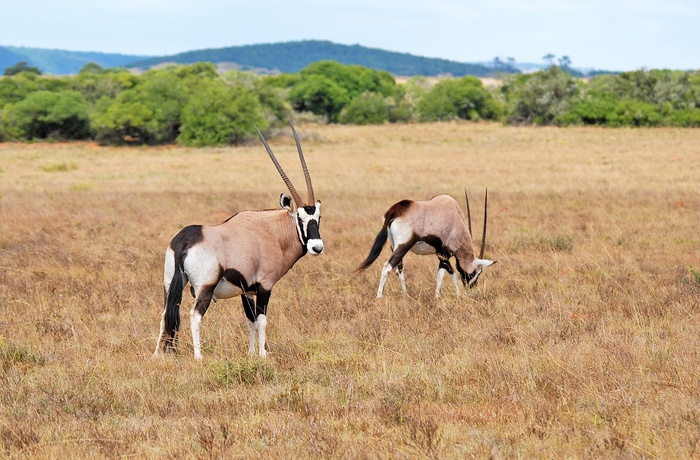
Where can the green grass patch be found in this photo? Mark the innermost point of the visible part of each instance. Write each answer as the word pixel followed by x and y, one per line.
pixel 694 275
pixel 12 354
pixel 60 167
pixel 247 371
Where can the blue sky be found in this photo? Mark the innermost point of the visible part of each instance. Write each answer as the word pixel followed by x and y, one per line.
pixel 603 34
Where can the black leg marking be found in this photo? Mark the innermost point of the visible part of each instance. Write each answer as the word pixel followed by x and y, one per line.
pixel 204 299
pixel 254 307
pixel 445 263
pixel 400 251
pixel 261 302
pixel 249 307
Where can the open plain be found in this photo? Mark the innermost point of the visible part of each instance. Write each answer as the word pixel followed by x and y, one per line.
pixel 582 341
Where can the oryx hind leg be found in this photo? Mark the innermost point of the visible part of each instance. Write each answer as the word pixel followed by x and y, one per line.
pixel 393 262
pixel 201 304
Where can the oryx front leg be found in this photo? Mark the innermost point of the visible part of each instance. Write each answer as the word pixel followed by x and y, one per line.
pixel 256 312
pixel 200 308
pixel 445 267
pixel 402 278
pixel 395 260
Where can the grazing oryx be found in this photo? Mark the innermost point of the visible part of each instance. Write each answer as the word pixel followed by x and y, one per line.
pixel 434 226
pixel 245 255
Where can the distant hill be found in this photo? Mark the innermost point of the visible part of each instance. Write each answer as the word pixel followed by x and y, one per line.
pixel 290 57
pixel 61 62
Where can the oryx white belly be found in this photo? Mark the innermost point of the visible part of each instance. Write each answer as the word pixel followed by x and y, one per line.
pixel 225 290
pixel 422 248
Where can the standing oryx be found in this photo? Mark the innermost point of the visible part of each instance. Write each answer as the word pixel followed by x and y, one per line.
pixel 245 255
pixel 434 226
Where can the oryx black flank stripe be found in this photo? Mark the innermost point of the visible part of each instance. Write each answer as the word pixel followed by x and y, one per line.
pixel 236 278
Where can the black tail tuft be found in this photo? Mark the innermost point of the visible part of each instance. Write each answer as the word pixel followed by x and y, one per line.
pixel 379 242
pixel 172 306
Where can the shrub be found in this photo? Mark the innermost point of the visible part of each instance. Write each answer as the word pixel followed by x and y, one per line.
pixel 540 98
pixel 588 112
pixel 147 113
pixel 365 109
pixel 216 114
pixel 464 98
pixel 326 87
pixel 45 114
pixel 630 112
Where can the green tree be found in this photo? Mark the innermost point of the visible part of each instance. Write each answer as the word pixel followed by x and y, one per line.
pixel 320 95
pixel 325 87
pixel 45 114
pixel 21 67
pixel 148 112
pixel 365 109
pixel 464 98
pixel 94 85
pixel 539 98
pixel 218 114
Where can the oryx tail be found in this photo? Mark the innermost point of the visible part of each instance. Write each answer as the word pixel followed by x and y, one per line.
pixel 379 242
pixel 377 247
pixel 172 305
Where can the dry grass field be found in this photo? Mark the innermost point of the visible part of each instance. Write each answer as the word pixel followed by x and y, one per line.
pixel 582 341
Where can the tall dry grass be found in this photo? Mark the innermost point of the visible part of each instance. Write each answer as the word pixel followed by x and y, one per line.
pixel 581 342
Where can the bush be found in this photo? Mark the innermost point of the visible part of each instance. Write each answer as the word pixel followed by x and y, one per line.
pixel 686 118
pixel 365 109
pixel 326 87
pixel 147 113
pixel 44 114
pixel 464 98
pixel 588 112
pixel 629 112
pixel 216 114
pixel 541 98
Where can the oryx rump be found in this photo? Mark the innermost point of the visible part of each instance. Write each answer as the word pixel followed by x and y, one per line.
pixel 434 226
pixel 243 256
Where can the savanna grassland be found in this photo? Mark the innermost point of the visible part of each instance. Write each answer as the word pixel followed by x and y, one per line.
pixel 582 341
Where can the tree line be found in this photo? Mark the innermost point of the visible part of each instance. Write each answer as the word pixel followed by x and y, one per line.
pixel 195 105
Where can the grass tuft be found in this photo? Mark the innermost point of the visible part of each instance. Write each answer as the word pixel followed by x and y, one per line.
pixel 12 354
pixel 694 275
pixel 245 371
pixel 60 167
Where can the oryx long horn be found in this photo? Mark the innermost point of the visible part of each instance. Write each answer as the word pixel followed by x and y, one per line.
pixel 483 235
pixel 307 176
pixel 469 214
pixel 292 190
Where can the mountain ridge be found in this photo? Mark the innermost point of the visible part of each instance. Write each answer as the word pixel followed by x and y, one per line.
pixel 286 57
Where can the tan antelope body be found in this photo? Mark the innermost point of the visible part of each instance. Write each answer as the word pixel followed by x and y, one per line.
pixel 243 256
pixel 434 226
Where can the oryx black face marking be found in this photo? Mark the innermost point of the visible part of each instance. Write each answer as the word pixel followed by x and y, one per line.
pixel 435 226
pixel 243 256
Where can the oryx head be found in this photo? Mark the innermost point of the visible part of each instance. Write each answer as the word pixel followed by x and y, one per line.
pixel 470 279
pixel 306 215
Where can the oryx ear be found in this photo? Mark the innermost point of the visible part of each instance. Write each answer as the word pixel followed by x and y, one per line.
pixel 286 202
